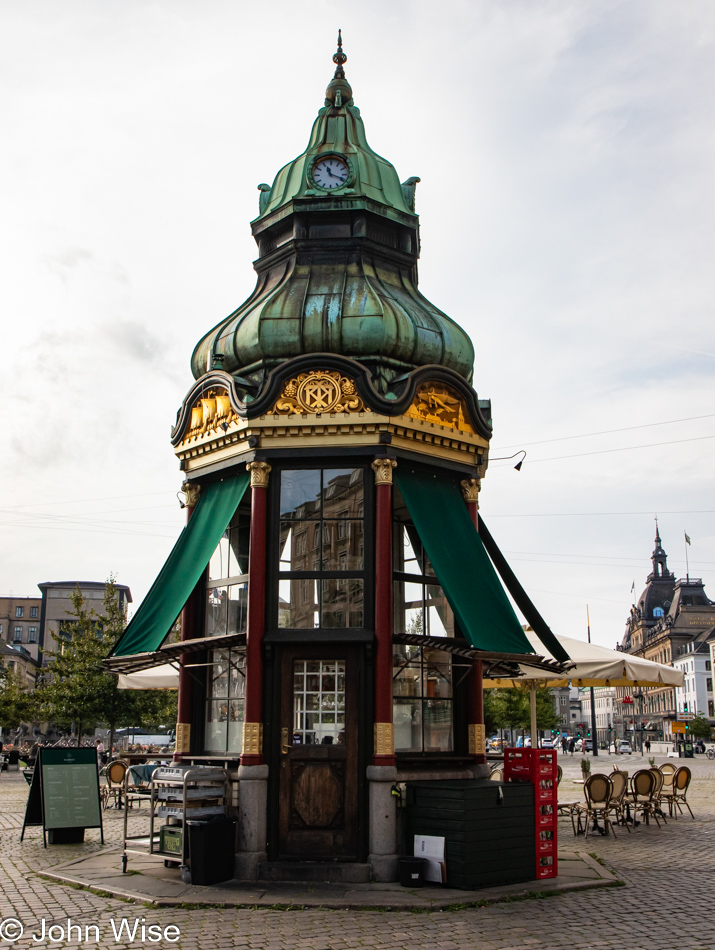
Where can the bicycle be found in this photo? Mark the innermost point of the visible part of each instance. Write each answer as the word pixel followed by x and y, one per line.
pixel 710 753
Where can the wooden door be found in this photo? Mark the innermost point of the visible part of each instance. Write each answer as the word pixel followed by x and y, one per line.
pixel 318 762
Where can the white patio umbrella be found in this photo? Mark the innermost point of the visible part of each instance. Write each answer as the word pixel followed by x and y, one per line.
pixel 592 665
pixel 157 677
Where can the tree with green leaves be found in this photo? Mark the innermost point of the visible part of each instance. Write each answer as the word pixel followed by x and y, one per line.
pixel 80 691
pixel 700 727
pixel 17 703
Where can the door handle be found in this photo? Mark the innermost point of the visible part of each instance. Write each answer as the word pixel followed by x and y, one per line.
pixel 285 745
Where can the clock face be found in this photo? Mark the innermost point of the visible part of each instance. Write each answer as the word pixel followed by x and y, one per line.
pixel 330 173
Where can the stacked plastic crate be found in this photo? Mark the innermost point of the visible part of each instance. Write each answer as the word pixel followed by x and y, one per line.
pixel 539 767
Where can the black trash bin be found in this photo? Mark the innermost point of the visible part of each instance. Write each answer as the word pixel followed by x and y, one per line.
pixel 211 850
pixel 412 872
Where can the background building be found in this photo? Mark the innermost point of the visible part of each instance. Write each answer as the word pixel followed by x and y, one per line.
pixel 696 693
pixel 56 608
pixel 671 618
pixel 20 623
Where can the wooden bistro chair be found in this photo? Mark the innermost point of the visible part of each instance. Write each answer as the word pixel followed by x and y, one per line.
pixel 641 796
pixel 114 778
pixel 658 794
pixel 668 770
pixel 678 797
pixel 619 781
pixel 598 790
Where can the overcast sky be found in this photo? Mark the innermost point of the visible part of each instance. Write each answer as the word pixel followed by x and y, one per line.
pixel 566 151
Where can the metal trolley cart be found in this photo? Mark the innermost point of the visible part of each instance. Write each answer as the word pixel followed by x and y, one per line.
pixel 178 793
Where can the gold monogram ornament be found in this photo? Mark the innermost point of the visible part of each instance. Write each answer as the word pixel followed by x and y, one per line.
pixel 318 392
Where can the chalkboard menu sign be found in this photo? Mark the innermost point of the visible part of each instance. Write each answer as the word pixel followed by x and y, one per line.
pixel 64 791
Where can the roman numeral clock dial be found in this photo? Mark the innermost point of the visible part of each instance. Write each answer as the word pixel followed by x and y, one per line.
pixel 330 173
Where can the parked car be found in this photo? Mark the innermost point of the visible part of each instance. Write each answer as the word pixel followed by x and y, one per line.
pixel 547 743
pixel 624 747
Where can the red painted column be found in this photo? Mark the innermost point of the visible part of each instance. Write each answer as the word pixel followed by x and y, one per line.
pixel 190 628
pixel 475 696
pixel 252 749
pixel 384 735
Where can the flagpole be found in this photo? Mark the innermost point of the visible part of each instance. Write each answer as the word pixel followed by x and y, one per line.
pixel 594 732
pixel 687 564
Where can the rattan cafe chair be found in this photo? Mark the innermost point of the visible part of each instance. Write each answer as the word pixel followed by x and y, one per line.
pixel 114 778
pixel 657 797
pixel 598 790
pixel 619 780
pixel 681 781
pixel 640 798
pixel 496 775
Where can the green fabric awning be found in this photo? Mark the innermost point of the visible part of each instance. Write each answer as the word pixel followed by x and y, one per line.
pixel 461 564
pixel 521 598
pixel 151 624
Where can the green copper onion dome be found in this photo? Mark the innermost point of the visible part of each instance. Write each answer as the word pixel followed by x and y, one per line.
pixel 338 243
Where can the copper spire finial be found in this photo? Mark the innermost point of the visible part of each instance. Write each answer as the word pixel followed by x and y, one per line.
pixel 339 58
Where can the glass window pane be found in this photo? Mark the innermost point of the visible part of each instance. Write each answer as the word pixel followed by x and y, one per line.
pixel 407 716
pixel 218 565
pixel 318 702
pixel 218 674
pixel 216 611
pixel 235 725
pixel 342 546
pixel 237 608
pixel 342 602
pixel 440 619
pixel 437 667
pixel 298 603
pixel 300 493
pixel 238 548
pixel 437 715
pixel 299 545
pixel 237 679
pixel 216 725
pixel 342 493
pixel 408 607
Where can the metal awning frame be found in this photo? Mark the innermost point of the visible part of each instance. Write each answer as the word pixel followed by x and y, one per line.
pixel 134 662
pixel 494 662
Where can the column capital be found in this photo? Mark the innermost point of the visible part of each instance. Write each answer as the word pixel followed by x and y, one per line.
pixel 191 490
pixel 259 472
pixel 383 471
pixel 470 490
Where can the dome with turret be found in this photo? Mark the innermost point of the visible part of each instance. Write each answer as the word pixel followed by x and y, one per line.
pixel 338 245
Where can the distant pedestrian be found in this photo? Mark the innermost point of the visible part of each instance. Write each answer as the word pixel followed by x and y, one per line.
pixel 647 745
pixel 100 752
pixel 572 745
pixel 564 744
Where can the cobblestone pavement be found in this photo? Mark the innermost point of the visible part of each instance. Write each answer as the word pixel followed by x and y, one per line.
pixel 669 877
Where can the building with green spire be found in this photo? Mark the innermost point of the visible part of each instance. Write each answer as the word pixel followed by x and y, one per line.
pixel 336 588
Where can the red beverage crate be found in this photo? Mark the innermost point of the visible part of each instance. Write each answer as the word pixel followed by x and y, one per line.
pixel 540 767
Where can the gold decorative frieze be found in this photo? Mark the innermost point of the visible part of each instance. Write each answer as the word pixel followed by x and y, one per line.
pixel 191 492
pixel 383 471
pixel 211 411
pixel 438 403
pixel 470 490
pixel 318 392
pixel 259 472
pixel 183 738
pixel 477 740
pixel 384 738
pixel 252 738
